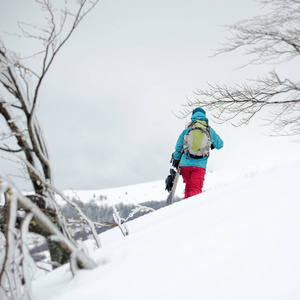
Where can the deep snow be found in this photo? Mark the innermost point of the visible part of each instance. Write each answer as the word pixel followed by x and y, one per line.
pixel 237 240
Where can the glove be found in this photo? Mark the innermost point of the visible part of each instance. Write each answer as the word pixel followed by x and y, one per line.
pixel 212 147
pixel 175 162
pixel 169 180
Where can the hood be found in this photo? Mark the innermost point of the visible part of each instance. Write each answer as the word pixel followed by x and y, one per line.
pixel 198 115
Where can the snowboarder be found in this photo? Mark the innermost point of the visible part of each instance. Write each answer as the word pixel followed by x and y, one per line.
pixel 193 164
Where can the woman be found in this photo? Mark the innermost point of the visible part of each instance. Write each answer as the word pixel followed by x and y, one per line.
pixel 193 169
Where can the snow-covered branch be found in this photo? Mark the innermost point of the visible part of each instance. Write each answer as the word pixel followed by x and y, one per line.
pixel 120 222
pixel 15 274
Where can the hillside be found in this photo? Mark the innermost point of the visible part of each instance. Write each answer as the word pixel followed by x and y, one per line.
pixel 237 240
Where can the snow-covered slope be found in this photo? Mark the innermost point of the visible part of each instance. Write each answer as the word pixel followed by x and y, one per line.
pixel 134 194
pixel 237 240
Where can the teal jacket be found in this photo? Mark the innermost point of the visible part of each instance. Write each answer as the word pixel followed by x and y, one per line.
pixel 194 162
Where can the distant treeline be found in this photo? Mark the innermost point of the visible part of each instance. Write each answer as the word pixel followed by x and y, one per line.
pixel 104 213
pixel 98 213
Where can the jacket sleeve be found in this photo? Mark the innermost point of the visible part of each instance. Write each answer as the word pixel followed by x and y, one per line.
pixel 215 139
pixel 177 154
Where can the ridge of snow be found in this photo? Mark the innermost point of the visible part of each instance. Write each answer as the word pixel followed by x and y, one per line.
pixel 133 194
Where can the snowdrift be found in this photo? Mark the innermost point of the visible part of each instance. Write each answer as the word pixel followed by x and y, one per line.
pixel 237 240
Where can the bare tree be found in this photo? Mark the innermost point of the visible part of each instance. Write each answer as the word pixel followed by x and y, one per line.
pixel 270 38
pixel 16 263
pixel 20 84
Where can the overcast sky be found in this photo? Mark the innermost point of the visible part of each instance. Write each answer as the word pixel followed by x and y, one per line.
pixel 107 104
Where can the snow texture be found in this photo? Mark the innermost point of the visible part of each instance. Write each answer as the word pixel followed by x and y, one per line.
pixel 237 240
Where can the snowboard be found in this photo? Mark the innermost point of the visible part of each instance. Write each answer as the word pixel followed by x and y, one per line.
pixel 170 199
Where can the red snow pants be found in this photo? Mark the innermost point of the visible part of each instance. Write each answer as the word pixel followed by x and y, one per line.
pixel 193 177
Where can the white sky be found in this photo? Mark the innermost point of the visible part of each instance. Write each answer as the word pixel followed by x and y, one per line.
pixel 106 104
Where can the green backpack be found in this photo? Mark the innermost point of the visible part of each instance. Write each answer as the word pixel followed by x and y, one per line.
pixel 197 141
